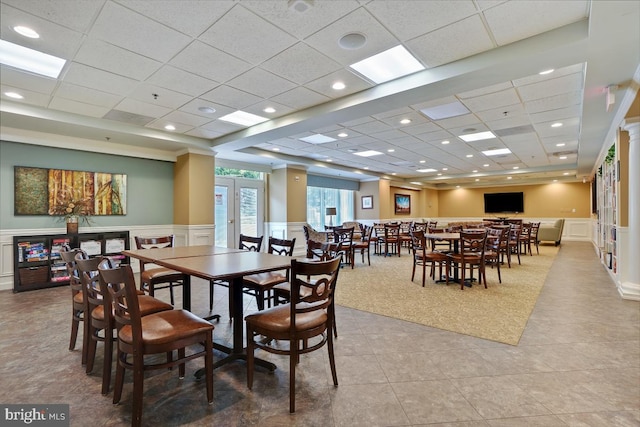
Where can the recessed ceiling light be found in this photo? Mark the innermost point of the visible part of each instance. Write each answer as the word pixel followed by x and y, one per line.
pixel 566 173
pixel 516 167
pixel 469 156
pixel 368 153
pixel 545 72
pixel 561 144
pixel 445 169
pixel 474 171
pixel 243 118
pixel 416 183
pixel 207 110
pixel 439 174
pixel 445 111
pixel 444 142
pixel 338 86
pixel 496 152
pixel 477 179
pixel 343 135
pixel 30 60
pixel 390 150
pixel 26 31
pixel 486 165
pixel 388 65
pixel 405 121
pixel 329 160
pixel 275 149
pixel 556 125
pixel 170 127
pixel 393 173
pixel 426 170
pixel 269 110
pixel 317 139
pixel 477 136
pixel 14 95
pixel 555 180
pixel 423 161
pixel 457 186
pixel 509 177
pixel 352 41
pixel 563 157
pixel 366 168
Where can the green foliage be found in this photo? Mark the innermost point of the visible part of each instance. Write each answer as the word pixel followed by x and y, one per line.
pixel 238 173
pixel 611 155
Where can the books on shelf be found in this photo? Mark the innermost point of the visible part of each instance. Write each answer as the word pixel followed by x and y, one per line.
pixel 32 252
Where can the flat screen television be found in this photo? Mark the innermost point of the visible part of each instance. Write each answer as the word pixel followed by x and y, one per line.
pixel 503 202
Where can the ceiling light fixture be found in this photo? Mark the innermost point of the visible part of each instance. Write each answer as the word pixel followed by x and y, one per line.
pixel 317 139
pixel 243 118
pixel 368 153
pixel 469 156
pixel 486 165
pixel 423 161
pixel 390 150
pixel 545 72
pixel 561 144
pixel 445 111
pixel 405 121
pixel 30 60
pixel 426 170
pixel 479 136
pixel 207 110
pixel 445 169
pixel 563 157
pixel 269 110
pixel 509 177
pixel 275 149
pixel 496 152
pixel 388 65
pixel 343 134
pixel 556 125
pixel 14 95
pixel 170 127
pixel 26 31
pixel 516 167
pixel 444 142
pixel 338 86
pixel 439 174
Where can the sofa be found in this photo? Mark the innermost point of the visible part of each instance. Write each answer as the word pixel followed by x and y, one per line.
pixel 551 233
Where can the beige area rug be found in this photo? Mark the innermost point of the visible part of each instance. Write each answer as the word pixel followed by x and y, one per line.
pixel 499 313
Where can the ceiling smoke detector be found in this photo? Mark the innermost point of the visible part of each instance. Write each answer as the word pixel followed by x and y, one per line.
pixel 300 6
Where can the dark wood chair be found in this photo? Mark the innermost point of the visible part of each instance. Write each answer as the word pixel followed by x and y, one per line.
pixel 157 333
pixel 305 322
pixel 344 236
pixel 377 237
pixel 441 245
pixel 471 255
pixel 513 241
pixel 68 255
pixel 100 320
pixel 152 279
pixel 362 245
pixel 496 240
pixel 259 285
pixel 247 243
pixel 423 257
pixel 533 238
pixel 391 239
pixel 405 236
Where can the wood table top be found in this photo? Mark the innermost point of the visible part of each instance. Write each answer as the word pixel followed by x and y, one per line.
pixel 155 254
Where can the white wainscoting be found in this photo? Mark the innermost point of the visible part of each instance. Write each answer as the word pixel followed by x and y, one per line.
pixel 185 235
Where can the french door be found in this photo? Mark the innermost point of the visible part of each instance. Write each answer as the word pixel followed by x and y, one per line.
pixel 239 209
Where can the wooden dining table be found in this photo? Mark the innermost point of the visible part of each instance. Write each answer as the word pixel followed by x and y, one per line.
pixel 216 263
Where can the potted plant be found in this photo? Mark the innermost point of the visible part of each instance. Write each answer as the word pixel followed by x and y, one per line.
pixel 71 207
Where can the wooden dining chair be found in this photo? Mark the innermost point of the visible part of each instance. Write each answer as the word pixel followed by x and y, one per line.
pixel 513 241
pixel 362 245
pixel 152 279
pixel 259 285
pixel 100 320
pixel 144 335
pixel 344 235
pixel 391 239
pixel 305 322
pixel 496 240
pixel 423 257
pixel 471 255
pixel 78 313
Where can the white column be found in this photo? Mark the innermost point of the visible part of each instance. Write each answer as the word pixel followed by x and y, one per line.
pixel 630 288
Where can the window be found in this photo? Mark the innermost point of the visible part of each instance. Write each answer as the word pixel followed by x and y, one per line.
pixel 318 199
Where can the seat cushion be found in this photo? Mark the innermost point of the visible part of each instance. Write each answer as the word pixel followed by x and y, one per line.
pixel 149 305
pixel 265 280
pixel 78 298
pixel 167 326
pixel 159 275
pixel 278 319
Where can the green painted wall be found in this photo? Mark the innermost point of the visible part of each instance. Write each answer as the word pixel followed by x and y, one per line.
pixel 149 184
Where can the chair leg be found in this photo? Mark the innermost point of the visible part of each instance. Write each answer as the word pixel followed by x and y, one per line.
pixel 108 355
pixel 171 294
pixel 85 338
pixel 250 359
pixel 75 323
pixel 91 350
pixel 210 295
pixel 138 390
pixel 117 388
pixel 293 361
pixel 332 359
pixel 208 363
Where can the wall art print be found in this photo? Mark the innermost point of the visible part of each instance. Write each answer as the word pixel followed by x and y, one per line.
pixel 58 192
pixel 403 203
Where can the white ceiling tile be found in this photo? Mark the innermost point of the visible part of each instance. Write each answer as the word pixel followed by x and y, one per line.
pixel 198 58
pixel 21 79
pixel 508 122
pixel 159 96
pixel 162 122
pixel 76 107
pixel 555 115
pixel 261 83
pixel 448 44
pixel 137 33
pixel 554 102
pixel 135 106
pixel 182 81
pixel 256 46
pixel 185 118
pixel 324 84
pixel 492 100
pixel 87 95
pixel 517 20
pixel 98 54
pixel 360 21
pixel 83 75
pixel 71 14
pixel 371 127
pixel 565 84
pixel 301 64
pixel 204 133
pixel 258 109
pixel 231 97
pixel 460 121
pixel 30 97
pixel 300 98
pixel 193 106
pixel 485 90
pixel 188 17
pixel 515 110
pixel 564 71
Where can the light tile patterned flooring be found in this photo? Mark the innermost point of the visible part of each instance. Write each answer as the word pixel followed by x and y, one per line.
pixel 577 364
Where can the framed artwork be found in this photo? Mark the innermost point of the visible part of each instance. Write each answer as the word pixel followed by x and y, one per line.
pixel 367 202
pixel 403 203
pixel 39 191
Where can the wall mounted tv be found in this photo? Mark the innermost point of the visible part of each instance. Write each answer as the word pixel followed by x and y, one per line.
pixel 503 202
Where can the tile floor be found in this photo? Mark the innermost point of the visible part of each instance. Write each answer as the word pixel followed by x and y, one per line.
pixel 577 364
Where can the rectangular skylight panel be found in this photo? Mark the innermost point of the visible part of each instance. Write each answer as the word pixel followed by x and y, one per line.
pixel 445 111
pixel 388 65
pixel 497 152
pixel 317 139
pixel 368 153
pixel 477 136
pixel 30 60
pixel 243 118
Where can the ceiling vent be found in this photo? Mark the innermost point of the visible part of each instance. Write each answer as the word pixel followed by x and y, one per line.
pixel 564 153
pixel 300 6
pixel 518 130
pixel 123 116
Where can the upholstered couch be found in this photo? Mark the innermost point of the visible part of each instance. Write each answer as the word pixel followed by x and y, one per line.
pixel 551 233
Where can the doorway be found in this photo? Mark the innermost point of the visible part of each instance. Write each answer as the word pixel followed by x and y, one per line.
pixel 239 209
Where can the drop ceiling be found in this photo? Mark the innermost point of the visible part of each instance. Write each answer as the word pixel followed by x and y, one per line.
pixel 135 66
